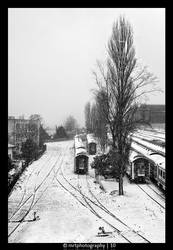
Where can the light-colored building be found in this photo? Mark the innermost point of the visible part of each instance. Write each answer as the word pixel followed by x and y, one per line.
pixel 154 113
pixel 20 129
pixel 10 151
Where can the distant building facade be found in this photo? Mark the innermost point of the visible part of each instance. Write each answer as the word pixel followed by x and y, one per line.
pixel 10 151
pixel 152 113
pixel 20 129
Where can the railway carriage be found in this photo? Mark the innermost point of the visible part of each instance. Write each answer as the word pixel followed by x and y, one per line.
pixel 137 169
pixel 155 162
pixel 91 144
pixel 80 157
pixel 157 169
pixel 161 176
pixel 81 161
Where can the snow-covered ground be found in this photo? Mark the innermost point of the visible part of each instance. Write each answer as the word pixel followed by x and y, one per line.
pixel 62 218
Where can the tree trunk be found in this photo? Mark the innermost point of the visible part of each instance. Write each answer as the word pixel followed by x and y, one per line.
pixel 96 176
pixel 121 192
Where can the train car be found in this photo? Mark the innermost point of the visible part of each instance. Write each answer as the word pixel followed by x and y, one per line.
pixel 161 176
pixel 157 169
pixel 81 161
pixel 91 144
pixel 80 157
pixel 137 169
pixel 78 143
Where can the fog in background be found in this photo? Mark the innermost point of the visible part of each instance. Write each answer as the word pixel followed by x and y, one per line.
pixel 52 53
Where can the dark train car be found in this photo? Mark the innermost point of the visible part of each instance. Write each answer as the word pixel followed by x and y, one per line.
pixel 81 161
pixel 91 144
pixel 137 170
pixel 80 156
pixel 78 143
pixel 157 169
pixel 161 176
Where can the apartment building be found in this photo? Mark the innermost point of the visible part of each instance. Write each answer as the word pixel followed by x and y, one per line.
pixel 20 129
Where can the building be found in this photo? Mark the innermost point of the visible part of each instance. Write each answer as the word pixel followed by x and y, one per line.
pixel 20 129
pixel 10 151
pixel 152 113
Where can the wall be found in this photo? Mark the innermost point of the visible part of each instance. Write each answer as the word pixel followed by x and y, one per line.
pixel 20 129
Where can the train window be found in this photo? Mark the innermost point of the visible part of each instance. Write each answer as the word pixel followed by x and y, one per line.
pixel 160 172
pixel 163 175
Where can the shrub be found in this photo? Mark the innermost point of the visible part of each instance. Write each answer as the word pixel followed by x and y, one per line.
pixel 29 150
pixel 106 164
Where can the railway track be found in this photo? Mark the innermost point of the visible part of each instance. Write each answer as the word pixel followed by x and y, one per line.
pixel 144 189
pixel 116 230
pixel 65 188
pixel 33 200
pixel 19 205
pixel 124 230
pixel 93 206
pixel 155 191
pixel 85 203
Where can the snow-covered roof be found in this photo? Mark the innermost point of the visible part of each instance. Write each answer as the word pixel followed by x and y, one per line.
pixel 158 159
pixel 11 146
pixel 134 155
pixel 150 145
pixel 81 151
pixel 162 165
pixel 140 149
pixel 78 143
pixel 90 138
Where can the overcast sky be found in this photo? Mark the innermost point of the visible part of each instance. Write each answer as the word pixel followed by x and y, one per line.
pixel 52 52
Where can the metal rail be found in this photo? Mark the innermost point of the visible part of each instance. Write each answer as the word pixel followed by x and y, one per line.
pixel 160 195
pixel 33 198
pixel 86 198
pixel 20 204
pixel 150 196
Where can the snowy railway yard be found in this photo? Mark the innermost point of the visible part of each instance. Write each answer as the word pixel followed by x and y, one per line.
pixel 50 203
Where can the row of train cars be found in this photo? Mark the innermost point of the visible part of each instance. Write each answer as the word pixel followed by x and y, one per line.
pixel 82 149
pixel 139 169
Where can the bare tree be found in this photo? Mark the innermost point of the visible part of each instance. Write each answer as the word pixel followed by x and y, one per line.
pixel 70 123
pixel 36 117
pixel 95 121
pixel 122 83
pixel 100 124
pixel 88 117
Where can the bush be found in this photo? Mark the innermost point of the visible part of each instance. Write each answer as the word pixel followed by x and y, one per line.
pixel 29 150
pixel 106 164
pixel 10 164
pixel 60 133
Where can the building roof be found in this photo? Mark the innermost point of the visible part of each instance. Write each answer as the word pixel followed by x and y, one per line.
pixel 158 159
pixel 153 107
pixel 134 156
pixel 11 146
